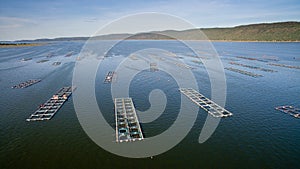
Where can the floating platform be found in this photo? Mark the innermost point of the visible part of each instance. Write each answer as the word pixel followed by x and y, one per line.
pixel 183 65
pixel 243 72
pixel 47 110
pixel 229 58
pixel 206 104
pixel 50 55
pixel 26 84
pixel 283 65
pixel 133 57
pixel 270 58
pixel 127 124
pixel 26 59
pixel 69 54
pixel 198 61
pixel 42 61
pixel 249 58
pixel 153 67
pixel 252 67
pixel 293 111
pixel 179 64
pixel 110 77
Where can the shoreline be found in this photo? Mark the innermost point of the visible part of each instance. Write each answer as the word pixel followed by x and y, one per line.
pixel 274 41
pixel 13 45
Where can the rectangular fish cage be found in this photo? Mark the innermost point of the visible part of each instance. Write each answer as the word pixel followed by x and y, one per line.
pixel 47 110
pixel 127 124
pixel 206 104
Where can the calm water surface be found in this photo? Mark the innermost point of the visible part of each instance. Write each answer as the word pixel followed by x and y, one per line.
pixel 257 136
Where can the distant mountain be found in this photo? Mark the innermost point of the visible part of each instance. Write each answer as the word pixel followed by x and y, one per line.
pixel 55 39
pixel 280 31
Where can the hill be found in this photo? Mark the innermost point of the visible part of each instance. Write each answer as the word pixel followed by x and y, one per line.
pixel 279 31
pixel 284 31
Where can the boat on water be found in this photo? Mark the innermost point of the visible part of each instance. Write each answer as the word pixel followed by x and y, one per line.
pixel 25 59
pixel 56 63
pixel 69 54
pixel 50 55
pixel 42 61
pixel 297 115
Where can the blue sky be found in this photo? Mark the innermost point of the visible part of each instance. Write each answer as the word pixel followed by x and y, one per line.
pixel 60 18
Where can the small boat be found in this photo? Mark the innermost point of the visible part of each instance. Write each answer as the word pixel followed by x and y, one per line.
pixel 50 55
pixel 56 63
pixel 69 54
pixel 42 61
pixel 25 59
pixel 297 115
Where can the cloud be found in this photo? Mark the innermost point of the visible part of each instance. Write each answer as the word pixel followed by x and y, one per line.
pixel 14 22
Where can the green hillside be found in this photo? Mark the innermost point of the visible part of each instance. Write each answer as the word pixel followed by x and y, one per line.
pixel 285 31
pixel 280 31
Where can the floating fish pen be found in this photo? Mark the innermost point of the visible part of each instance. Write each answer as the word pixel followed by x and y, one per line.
pixel 293 111
pixel 110 77
pixel 249 58
pixel 197 61
pixel 133 57
pixel 179 64
pixel 69 54
pixel 206 104
pixel 56 63
pixel 271 58
pixel 26 83
pixel 153 67
pixel 127 124
pixel 47 110
pixel 26 59
pixel 42 61
pixel 252 67
pixel 158 58
pixel 243 72
pixel 228 58
pixel 283 65
pixel 170 54
pixel 183 65
pixel 50 55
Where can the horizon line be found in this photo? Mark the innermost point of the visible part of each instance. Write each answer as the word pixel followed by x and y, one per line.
pixel 82 36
